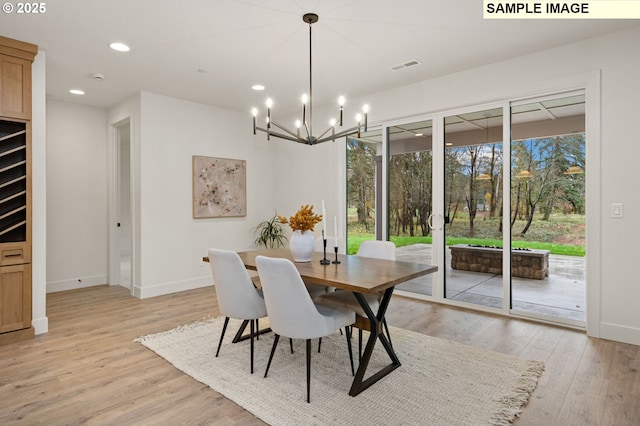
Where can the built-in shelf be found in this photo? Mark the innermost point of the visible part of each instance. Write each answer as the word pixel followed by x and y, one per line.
pixel 13 178
pixel 11 151
pixel 11 228
pixel 13 135
pixel 11 182
pixel 14 211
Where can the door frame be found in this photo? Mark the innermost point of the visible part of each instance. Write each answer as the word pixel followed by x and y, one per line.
pixel 114 202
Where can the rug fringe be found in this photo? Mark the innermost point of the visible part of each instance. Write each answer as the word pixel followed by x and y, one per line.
pixel 178 329
pixel 514 402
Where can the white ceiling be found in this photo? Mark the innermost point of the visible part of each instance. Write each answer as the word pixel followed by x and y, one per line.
pixel 243 42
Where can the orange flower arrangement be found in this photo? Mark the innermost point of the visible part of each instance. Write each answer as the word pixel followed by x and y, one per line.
pixel 303 220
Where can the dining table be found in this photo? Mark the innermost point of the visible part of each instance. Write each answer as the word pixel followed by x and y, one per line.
pixel 359 275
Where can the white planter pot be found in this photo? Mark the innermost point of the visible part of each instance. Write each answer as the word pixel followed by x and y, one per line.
pixel 302 246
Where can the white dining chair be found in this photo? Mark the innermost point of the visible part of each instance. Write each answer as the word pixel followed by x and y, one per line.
pixel 292 312
pixel 376 249
pixel 237 296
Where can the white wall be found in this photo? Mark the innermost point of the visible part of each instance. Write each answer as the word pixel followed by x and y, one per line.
pixel 309 175
pixel 76 196
pixel 172 242
pixel 617 58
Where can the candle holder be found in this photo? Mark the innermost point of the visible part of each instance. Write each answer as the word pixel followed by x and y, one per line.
pixel 324 260
pixel 335 249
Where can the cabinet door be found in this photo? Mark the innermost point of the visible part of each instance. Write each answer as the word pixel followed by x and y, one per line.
pixel 15 297
pixel 15 87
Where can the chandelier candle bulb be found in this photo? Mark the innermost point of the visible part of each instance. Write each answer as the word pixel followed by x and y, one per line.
pixel 254 112
pixel 269 104
pixel 365 109
pixel 304 108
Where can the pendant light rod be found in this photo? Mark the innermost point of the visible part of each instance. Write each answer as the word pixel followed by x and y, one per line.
pixel 310 18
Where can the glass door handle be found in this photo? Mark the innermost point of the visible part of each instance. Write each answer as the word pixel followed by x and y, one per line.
pixel 437 226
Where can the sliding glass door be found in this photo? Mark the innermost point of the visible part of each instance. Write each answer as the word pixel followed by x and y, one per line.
pixel 410 197
pixel 473 177
pixel 548 214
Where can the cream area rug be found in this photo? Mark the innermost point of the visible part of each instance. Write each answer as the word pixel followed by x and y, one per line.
pixel 439 382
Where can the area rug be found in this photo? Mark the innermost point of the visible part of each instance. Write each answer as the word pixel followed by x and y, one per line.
pixel 440 382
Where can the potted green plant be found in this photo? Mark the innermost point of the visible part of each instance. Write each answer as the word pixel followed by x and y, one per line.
pixel 269 233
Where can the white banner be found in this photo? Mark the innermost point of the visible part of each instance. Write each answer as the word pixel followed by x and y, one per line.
pixel 587 9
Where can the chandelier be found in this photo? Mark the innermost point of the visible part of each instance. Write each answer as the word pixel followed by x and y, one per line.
pixel 304 128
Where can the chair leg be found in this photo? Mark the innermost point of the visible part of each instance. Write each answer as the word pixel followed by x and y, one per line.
pixel 224 328
pixel 319 344
pixel 257 329
pixel 291 345
pixel 308 370
pixel 347 332
pixel 252 336
pixel 273 350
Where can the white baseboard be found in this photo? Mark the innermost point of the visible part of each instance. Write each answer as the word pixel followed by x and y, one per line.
pixel 620 333
pixel 40 325
pixel 76 283
pixel 173 287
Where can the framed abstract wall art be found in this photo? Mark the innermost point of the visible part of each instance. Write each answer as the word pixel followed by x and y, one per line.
pixel 219 187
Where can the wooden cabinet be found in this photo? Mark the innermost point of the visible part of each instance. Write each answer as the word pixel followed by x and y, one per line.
pixel 15 78
pixel 15 293
pixel 15 190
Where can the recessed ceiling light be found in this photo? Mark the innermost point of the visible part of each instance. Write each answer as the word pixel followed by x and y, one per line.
pixel 419 134
pixel 120 47
pixel 77 91
pixel 257 87
pixel 449 144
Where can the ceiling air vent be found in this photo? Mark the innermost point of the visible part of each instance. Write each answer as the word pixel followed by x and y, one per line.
pixel 405 65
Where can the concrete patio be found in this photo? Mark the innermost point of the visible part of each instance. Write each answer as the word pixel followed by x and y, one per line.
pixel 561 294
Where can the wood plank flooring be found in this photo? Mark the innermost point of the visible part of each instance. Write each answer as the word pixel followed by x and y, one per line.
pixel 88 370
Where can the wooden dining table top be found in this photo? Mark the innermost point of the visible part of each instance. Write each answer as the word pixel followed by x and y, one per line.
pixel 353 273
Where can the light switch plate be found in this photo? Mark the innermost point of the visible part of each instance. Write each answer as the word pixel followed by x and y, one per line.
pixel 616 210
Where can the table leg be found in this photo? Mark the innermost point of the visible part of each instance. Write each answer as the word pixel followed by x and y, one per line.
pixel 239 337
pixel 376 333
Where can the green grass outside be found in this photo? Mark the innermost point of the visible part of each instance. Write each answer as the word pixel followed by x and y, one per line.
pixel 561 234
pixel 354 242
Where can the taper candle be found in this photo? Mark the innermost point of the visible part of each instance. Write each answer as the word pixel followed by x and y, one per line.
pixel 324 220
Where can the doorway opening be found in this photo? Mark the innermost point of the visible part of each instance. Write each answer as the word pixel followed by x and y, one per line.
pixel 122 238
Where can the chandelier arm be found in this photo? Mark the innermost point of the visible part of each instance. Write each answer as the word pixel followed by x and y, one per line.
pixel 280 135
pixel 351 131
pixel 306 129
pixel 325 132
pixel 284 129
pixel 343 133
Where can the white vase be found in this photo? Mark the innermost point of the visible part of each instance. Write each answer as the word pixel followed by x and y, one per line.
pixel 302 246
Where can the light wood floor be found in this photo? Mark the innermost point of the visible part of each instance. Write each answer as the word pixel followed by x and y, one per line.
pixel 88 370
